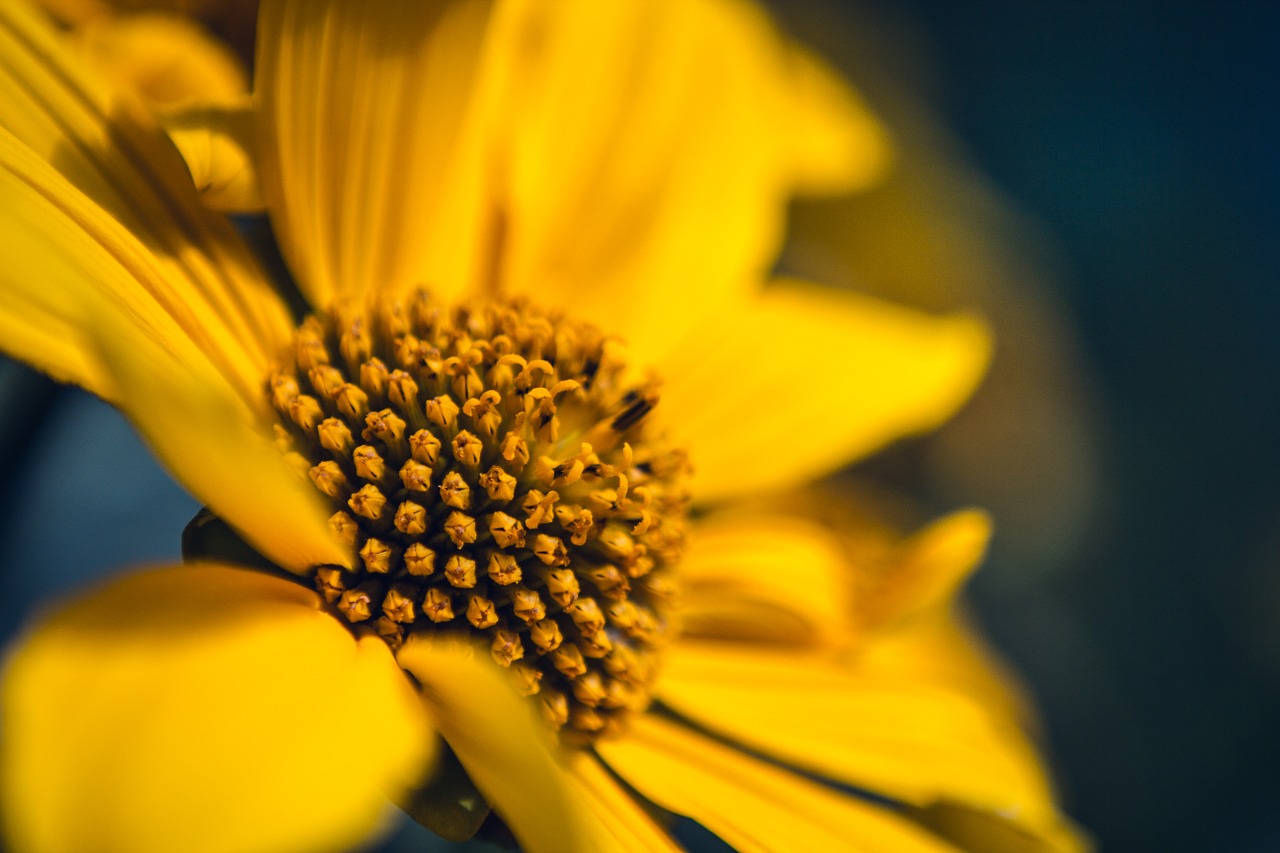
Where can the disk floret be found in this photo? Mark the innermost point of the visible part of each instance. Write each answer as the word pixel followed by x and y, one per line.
pixel 494 470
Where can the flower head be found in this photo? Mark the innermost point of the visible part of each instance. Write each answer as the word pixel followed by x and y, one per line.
pixel 531 238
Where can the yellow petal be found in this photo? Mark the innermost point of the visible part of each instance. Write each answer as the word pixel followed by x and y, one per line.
pixel 167 60
pixel 218 146
pixel 203 708
pixel 907 740
pixel 751 805
pixel 763 577
pixel 113 152
pixel 506 751
pixel 615 821
pixel 370 165
pixel 85 301
pixel 838 144
pixel 803 379
pixel 929 569
pixel 650 147
pixel 976 830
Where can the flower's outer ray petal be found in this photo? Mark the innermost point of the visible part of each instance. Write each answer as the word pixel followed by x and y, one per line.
pixel 838 144
pixel 369 163
pixel 939 648
pixel 760 577
pixel 752 805
pixel 504 748
pixel 203 708
pixel 804 379
pixel 929 569
pixel 78 302
pixel 912 741
pixel 614 819
pixel 114 153
pixel 650 148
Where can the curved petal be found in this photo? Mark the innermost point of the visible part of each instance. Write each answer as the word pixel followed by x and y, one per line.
pixel 614 819
pixel 493 731
pixel 752 805
pixel 911 741
pixel 166 59
pixel 217 144
pixel 370 164
pixel 839 145
pixel 79 301
pixel 649 148
pixel 804 379
pixel 112 151
pixel 204 707
pixel 763 577
pixel 927 572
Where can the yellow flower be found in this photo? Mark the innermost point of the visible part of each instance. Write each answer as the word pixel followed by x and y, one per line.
pixel 624 162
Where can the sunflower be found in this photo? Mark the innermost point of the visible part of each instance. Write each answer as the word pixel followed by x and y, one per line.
pixel 530 239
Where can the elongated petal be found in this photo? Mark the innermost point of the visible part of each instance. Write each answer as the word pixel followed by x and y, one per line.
pixel 651 146
pixel 114 153
pixel 762 577
pixel 370 159
pixel 912 741
pixel 615 820
pixel 493 731
pixel 752 805
pixel 78 301
pixel 203 708
pixel 804 379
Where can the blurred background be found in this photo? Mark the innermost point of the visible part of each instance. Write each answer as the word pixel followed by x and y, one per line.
pixel 1100 179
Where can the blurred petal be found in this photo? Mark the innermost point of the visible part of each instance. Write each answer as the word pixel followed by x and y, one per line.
pixel 369 165
pixel 112 151
pixel 763 577
pixel 651 146
pixel 504 748
pixel 167 60
pixel 205 708
pixel 910 741
pixel 218 145
pixel 614 819
pixel 838 145
pixel 938 648
pixel 928 571
pixel 80 301
pixel 805 379
pixel 751 805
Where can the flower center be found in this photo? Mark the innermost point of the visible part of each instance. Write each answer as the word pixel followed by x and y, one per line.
pixel 494 471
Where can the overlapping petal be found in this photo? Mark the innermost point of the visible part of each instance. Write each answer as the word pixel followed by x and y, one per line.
pixel 226 709
pixel 760 577
pixel 752 805
pixel 505 750
pixel 647 149
pixel 909 740
pixel 84 300
pixel 110 150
